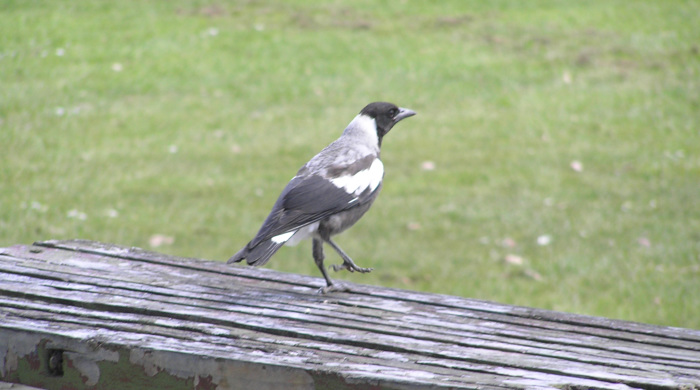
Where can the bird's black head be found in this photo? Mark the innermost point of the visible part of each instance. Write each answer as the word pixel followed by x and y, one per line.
pixel 386 115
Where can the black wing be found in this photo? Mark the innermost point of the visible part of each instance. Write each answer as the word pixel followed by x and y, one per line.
pixel 303 202
pixel 309 198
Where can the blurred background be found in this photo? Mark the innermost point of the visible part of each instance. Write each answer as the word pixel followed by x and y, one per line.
pixel 554 161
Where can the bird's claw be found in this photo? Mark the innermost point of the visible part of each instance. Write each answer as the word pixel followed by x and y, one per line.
pixel 351 267
pixel 333 288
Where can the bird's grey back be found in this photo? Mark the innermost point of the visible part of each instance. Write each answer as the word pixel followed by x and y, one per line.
pixel 357 141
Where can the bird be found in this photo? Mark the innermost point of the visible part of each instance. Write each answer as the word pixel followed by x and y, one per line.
pixel 329 194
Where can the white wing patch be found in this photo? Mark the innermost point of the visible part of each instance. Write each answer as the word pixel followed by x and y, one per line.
pixel 359 182
pixel 282 238
pixel 302 234
pixel 376 174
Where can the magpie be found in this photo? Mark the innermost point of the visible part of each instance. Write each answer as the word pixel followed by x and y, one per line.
pixel 329 193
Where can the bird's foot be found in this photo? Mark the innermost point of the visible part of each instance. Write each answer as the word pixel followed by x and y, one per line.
pixel 350 266
pixel 333 288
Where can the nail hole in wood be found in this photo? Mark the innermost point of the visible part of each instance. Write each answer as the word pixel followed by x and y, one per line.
pixel 55 361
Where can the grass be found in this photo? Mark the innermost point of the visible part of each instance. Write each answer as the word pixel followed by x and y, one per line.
pixel 124 120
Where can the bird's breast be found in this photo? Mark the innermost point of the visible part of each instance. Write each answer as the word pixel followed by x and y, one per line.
pixel 337 223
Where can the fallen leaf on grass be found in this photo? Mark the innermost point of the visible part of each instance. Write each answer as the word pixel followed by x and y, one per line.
pixel 533 274
pixel 508 242
pixel 157 240
pixel 577 166
pixel 544 240
pixel 76 214
pixel 566 77
pixel 34 205
pixel 428 166
pixel 514 259
pixel 413 226
pixel 643 241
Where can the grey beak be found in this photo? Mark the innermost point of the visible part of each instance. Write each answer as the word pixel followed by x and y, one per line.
pixel 403 113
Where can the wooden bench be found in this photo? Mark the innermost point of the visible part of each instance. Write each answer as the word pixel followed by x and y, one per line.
pixel 87 315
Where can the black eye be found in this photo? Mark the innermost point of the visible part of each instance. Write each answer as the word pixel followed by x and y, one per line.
pixel 393 112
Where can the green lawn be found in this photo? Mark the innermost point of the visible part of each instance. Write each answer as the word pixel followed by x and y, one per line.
pixel 565 138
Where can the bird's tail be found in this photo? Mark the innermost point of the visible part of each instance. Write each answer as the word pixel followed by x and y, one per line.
pixel 258 255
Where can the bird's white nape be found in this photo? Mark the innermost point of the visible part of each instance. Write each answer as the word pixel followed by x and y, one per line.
pixel 365 127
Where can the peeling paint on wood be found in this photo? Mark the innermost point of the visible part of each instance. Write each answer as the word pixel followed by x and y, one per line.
pixel 126 318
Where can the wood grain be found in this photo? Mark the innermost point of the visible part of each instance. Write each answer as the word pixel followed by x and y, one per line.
pixel 128 318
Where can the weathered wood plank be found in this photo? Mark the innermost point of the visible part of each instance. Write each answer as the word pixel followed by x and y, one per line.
pixel 15 386
pixel 400 366
pixel 418 325
pixel 195 311
pixel 391 327
pixel 363 357
pixel 509 321
pixel 475 306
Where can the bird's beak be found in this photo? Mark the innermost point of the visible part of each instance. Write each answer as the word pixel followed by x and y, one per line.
pixel 403 113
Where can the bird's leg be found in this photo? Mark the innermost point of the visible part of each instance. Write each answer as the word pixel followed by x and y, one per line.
pixel 348 264
pixel 317 250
